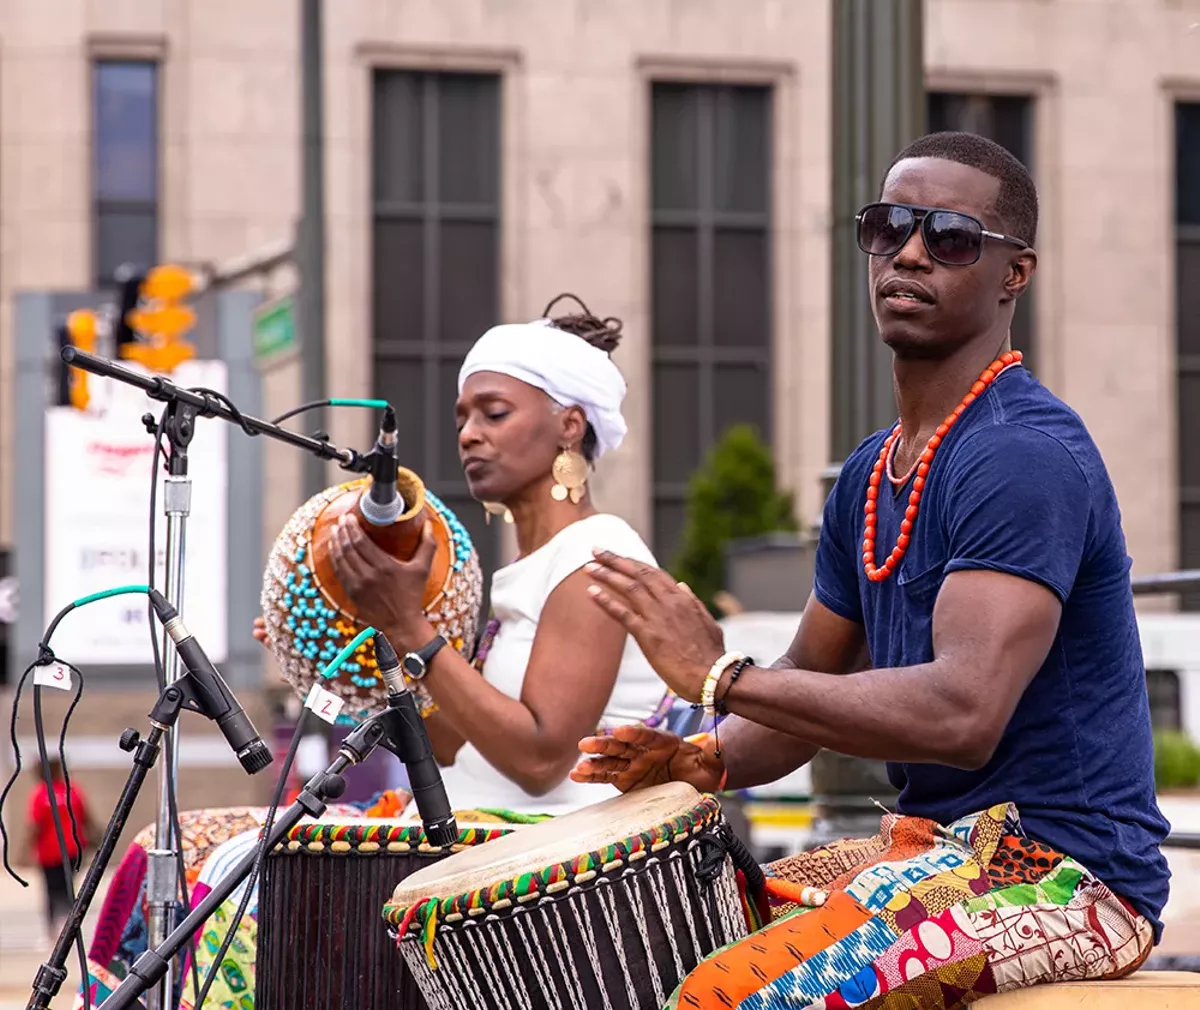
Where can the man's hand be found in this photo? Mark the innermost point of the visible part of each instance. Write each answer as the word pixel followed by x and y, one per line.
pixel 677 634
pixel 635 757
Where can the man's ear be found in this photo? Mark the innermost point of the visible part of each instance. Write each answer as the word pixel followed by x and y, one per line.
pixel 1020 272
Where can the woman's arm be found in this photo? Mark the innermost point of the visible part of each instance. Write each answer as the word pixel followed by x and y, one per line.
pixel 443 737
pixel 534 740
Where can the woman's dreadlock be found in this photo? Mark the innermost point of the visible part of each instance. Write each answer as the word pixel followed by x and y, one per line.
pixel 604 334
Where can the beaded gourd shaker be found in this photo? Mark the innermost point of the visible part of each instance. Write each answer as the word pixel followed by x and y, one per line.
pixel 309 616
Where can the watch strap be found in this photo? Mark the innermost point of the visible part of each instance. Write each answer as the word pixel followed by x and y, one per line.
pixel 432 649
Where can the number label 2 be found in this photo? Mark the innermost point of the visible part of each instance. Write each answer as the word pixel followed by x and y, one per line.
pixel 324 704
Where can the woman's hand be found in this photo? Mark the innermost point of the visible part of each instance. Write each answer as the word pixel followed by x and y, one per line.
pixel 635 757
pixel 260 632
pixel 677 634
pixel 386 593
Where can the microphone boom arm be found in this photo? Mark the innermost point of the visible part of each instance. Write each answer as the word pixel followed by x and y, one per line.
pixel 159 388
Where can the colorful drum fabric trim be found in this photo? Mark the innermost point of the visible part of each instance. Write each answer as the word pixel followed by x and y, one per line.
pixel 368 838
pixel 307 628
pixel 549 880
pixel 615 926
pixel 925 917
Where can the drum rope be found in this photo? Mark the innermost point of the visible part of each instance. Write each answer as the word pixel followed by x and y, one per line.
pixel 463 970
pixel 608 907
pixel 639 915
pixel 589 942
pixel 681 882
pixel 656 882
pixel 733 920
pixel 435 991
pixel 565 961
pixel 541 968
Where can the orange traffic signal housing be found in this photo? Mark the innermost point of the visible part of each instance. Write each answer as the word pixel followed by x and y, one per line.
pixel 161 321
pixel 81 328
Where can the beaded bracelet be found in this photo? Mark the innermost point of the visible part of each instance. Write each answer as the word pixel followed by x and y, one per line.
pixel 719 704
pixel 709 690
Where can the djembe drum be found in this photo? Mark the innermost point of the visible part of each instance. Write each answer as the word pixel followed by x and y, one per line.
pixel 321 944
pixel 309 616
pixel 610 906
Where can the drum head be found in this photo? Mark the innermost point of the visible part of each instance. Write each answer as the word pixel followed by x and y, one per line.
pixel 540 845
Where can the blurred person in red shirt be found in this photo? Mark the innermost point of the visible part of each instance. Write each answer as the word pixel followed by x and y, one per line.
pixel 43 842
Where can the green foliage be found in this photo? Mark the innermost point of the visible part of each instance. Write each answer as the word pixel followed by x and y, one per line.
pixel 732 495
pixel 1176 761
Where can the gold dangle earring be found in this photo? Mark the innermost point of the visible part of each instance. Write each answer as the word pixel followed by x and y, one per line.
pixel 570 472
pixel 495 508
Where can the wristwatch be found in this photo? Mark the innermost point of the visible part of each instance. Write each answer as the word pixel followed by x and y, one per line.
pixel 415 664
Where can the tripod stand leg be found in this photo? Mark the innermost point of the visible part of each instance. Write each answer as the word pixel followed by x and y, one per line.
pixel 150 968
pixel 53 973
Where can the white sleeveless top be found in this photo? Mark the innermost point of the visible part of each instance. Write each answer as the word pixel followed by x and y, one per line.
pixel 519 592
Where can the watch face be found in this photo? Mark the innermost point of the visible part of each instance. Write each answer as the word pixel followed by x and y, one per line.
pixel 413 666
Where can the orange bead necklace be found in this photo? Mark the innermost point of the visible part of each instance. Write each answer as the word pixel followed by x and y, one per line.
pixel 986 377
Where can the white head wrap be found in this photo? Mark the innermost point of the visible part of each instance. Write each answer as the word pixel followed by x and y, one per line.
pixel 567 368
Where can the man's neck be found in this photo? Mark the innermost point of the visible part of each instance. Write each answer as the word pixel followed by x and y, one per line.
pixel 927 390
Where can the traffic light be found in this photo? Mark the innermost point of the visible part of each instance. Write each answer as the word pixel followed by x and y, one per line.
pixel 79 330
pixel 153 309
pixel 130 279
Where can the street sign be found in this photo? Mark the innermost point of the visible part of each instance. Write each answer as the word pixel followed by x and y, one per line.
pixel 8 600
pixel 275 329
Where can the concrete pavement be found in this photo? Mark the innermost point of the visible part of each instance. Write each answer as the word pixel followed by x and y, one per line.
pixel 25 943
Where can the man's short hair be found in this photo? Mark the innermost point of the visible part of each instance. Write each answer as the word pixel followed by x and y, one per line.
pixel 1017 202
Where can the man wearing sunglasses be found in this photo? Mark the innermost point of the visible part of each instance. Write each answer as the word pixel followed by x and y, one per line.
pixel 971 624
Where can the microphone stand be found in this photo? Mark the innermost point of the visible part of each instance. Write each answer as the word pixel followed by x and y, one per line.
pixel 162 870
pixel 183 408
pixel 176 696
pixel 387 729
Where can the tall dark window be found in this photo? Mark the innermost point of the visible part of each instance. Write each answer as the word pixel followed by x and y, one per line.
pixel 710 280
pixel 1166 709
pixel 125 166
pixel 436 262
pixel 1008 120
pixel 1187 315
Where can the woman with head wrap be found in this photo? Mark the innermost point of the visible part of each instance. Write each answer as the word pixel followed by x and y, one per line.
pixel 539 403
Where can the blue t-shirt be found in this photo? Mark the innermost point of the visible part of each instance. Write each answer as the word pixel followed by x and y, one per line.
pixel 1018 486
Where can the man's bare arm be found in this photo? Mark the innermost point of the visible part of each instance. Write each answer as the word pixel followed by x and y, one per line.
pixel 756 754
pixel 991 634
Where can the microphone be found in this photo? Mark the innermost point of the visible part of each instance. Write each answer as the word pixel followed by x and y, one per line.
pixel 212 694
pixel 381 504
pixel 415 750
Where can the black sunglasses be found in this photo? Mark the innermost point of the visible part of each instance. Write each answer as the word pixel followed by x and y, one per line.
pixel 951 237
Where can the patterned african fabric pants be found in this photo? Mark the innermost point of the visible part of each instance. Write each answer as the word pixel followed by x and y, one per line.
pixel 925 917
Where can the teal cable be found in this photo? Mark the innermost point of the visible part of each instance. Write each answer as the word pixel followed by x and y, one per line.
pixel 346 653
pixel 106 593
pixel 339 401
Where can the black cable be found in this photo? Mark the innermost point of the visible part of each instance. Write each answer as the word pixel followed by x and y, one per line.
pixel 68 868
pixel 259 856
pixel 311 405
pixel 16 747
pixel 238 418
pixel 44 656
pixel 159 672
pixel 62 760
